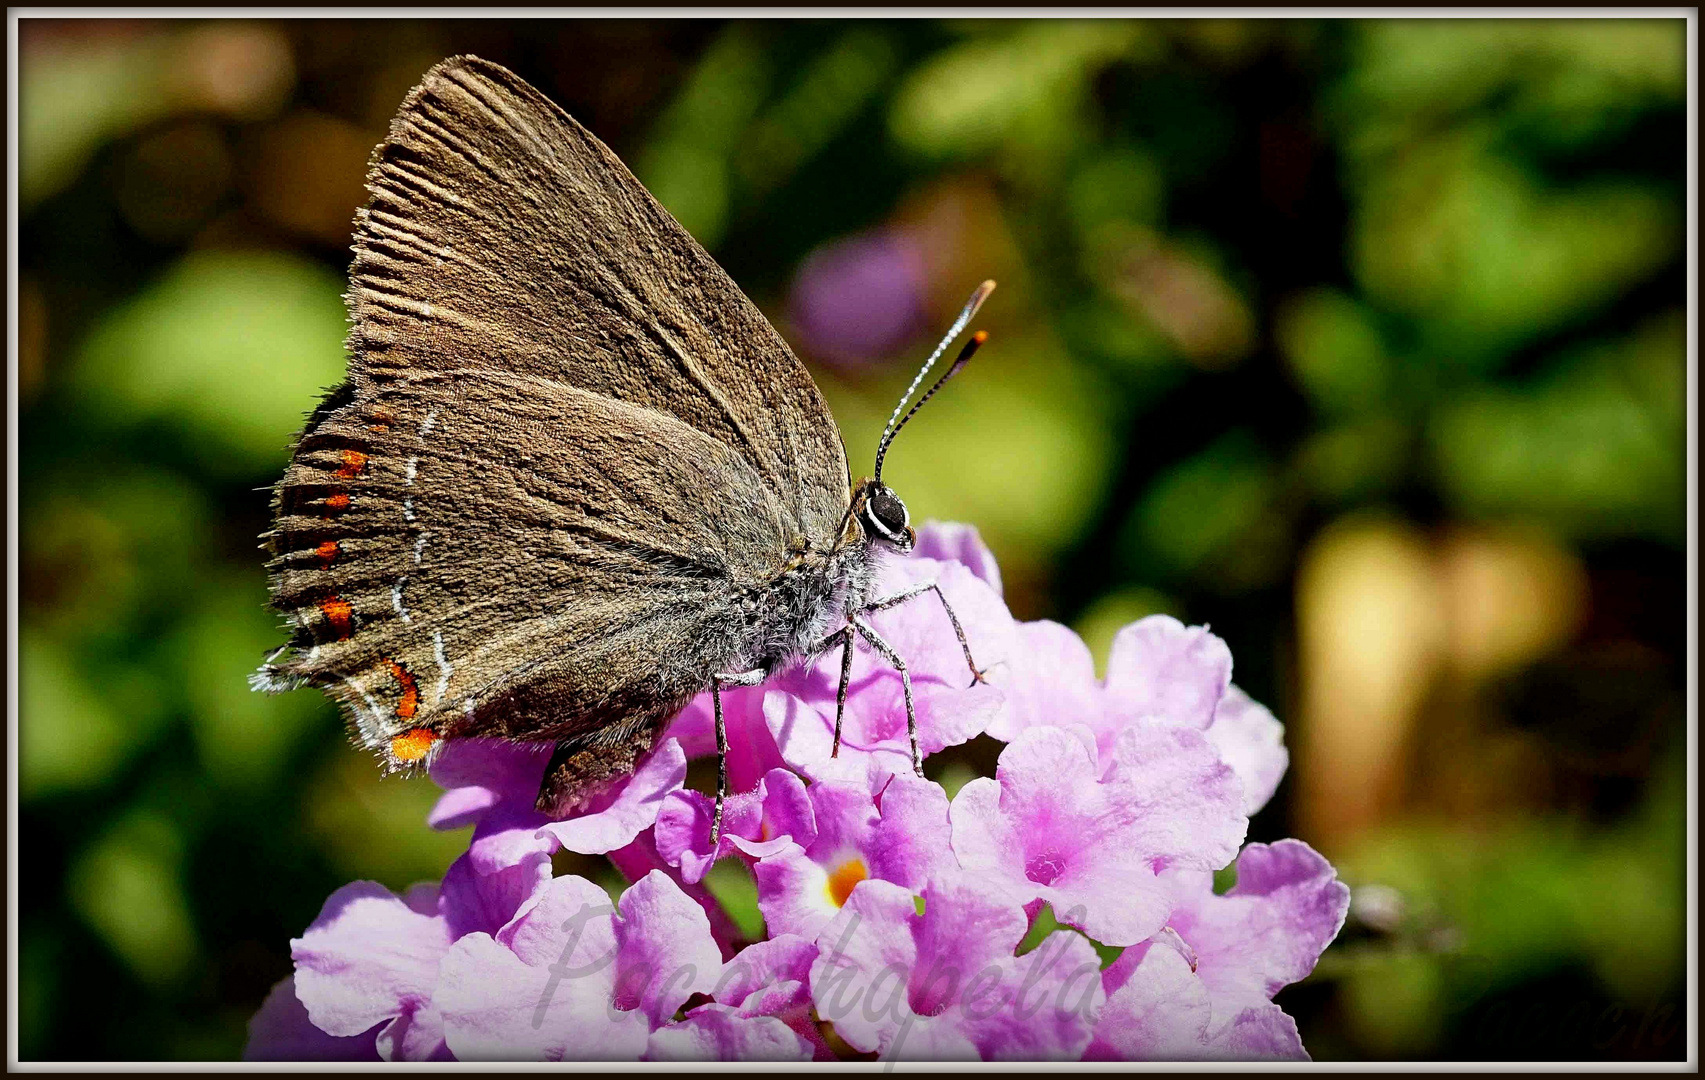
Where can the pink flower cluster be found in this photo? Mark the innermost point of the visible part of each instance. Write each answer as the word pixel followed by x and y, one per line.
pixel 894 914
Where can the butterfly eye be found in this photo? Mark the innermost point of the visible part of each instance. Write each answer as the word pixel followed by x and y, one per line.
pixel 887 514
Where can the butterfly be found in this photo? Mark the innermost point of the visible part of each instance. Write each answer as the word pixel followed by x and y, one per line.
pixel 574 477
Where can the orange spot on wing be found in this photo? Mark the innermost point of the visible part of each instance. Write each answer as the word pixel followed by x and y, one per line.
pixel 353 462
pixel 410 702
pixel 412 745
pixel 337 612
pixel 338 501
pixel 327 552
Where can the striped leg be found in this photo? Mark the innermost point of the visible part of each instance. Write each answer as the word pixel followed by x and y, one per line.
pixel 717 682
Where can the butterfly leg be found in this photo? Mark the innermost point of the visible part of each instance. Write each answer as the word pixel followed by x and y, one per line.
pixel 870 635
pixel 717 682
pixel 841 691
pixel 958 630
pixel 844 638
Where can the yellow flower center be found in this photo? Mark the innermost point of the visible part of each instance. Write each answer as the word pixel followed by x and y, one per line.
pixel 842 879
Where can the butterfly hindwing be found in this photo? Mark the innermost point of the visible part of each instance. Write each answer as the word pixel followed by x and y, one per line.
pixel 512 557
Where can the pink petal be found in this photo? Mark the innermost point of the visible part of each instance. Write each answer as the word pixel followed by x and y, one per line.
pixel 498 1008
pixel 1186 804
pixel 985 843
pixel 751 748
pixel 508 836
pixel 948 541
pixel 478 774
pixel 788 810
pixel 627 809
pixel 1261 1033
pixel 793 893
pixel 963 930
pixel 1047 777
pixel 912 843
pixel 1252 742
pixel 782 958
pixel 720 1033
pixel 571 923
pixel 1050 681
pixel 366 958
pixel 416 1035
pixel 871 934
pixel 1160 1013
pixel 1161 668
pixel 1110 893
pixel 683 829
pixel 1270 929
pixel 640 858
pixel 461 806
pixel 1056 998
pixel 470 901
pixel 758 823
pixel 804 734
pixel 664 949
pixel 281 1031
pixel 770 978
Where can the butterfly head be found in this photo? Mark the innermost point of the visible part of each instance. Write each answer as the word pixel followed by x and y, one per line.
pixel 883 516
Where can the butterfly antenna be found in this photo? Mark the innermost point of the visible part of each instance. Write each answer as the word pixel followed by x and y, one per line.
pixel 964 358
pixel 896 421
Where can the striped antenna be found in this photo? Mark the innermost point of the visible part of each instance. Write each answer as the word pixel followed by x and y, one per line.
pixel 965 316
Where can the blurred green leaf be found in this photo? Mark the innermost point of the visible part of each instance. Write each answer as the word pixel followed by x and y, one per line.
pixel 1334 350
pixel 1201 508
pixel 372 825
pixel 40 988
pixel 955 776
pixel 732 886
pixel 72 98
pixel 1518 897
pixel 81 88
pixel 74 730
pixel 687 165
pixel 1576 71
pixel 829 92
pixel 236 345
pixel 1120 185
pixel 1581 448
pixel 1489 256
pixel 1356 459
pixel 245 738
pixel 1025 84
pixel 128 886
pixel 106 547
pixel 1045 923
pixel 1145 358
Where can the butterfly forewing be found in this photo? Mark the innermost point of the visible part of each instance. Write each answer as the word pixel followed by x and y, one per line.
pixel 501 233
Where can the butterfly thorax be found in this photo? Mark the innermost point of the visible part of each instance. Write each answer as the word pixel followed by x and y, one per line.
pixel 807 599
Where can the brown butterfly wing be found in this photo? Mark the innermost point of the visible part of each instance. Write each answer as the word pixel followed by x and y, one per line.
pixel 501 233
pixel 511 556
pixel 569 453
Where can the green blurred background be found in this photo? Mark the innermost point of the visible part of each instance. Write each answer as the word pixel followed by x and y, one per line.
pixel 1363 342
